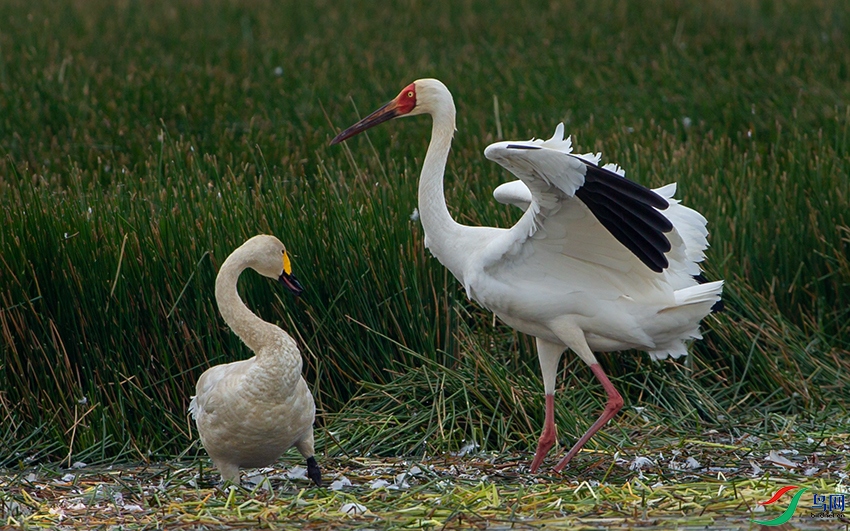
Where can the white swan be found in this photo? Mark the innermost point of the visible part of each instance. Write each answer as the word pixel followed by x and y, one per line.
pixel 249 412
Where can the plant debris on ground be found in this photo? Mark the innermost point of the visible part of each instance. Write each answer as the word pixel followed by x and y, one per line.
pixel 711 480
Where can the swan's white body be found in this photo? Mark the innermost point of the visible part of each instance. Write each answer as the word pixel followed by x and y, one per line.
pixel 250 412
pixel 558 274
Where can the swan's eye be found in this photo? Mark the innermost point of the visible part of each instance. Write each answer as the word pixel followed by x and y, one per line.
pixel 287 266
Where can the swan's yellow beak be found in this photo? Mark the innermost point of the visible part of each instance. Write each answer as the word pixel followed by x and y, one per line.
pixel 287 264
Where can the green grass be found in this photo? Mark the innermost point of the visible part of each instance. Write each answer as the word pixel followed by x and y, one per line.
pixel 141 143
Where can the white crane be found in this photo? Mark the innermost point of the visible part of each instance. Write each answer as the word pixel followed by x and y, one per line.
pixel 596 263
pixel 251 411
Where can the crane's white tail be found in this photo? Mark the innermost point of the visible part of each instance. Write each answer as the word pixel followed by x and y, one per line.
pixel 681 320
pixel 707 293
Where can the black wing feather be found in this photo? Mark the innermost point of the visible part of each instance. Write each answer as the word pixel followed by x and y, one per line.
pixel 520 146
pixel 632 218
pixel 628 211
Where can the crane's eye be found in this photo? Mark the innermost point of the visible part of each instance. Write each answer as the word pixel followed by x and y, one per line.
pixel 409 93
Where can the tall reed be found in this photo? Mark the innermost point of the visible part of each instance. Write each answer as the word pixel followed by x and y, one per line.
pixel 142 143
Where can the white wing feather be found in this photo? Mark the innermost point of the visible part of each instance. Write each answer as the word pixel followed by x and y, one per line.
pixel 554 214
pixel 559 239
pixel 548 173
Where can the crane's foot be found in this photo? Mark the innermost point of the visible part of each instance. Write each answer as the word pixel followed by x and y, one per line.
pixel 547 438
pixel 313 471
pixel 615 403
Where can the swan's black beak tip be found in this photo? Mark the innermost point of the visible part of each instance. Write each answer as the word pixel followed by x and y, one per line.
pixel 291 283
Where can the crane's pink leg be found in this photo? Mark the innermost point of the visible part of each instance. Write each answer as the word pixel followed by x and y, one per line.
pixel 547 438
pixel 549 354
pixel 615 403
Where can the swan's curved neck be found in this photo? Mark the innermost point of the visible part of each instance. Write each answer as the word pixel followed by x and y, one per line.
pixel 250 328
pixel 441 230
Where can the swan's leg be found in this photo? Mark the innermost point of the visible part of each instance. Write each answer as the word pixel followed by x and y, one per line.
pixel 305 446
pixel 229 471
pixel 313 471
pixel 548 354
pixel 574 338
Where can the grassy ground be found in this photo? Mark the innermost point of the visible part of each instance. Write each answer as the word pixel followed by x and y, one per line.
pixel 141 143
pixel 714 481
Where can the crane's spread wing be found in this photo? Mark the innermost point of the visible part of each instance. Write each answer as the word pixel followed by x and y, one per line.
pixel 629 212
pixel 514 193
pixel 626 221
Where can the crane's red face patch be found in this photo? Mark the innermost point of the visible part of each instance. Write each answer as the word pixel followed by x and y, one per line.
pixel 406 99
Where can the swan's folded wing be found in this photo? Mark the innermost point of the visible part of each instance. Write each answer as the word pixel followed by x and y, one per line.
pixel 213 384
pixel 584 211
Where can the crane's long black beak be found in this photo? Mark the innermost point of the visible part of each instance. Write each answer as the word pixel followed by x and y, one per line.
pixel 387 112
pixel 291 283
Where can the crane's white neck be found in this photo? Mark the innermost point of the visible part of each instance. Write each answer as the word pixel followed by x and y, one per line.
pixel 440 228
pixel 251 329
